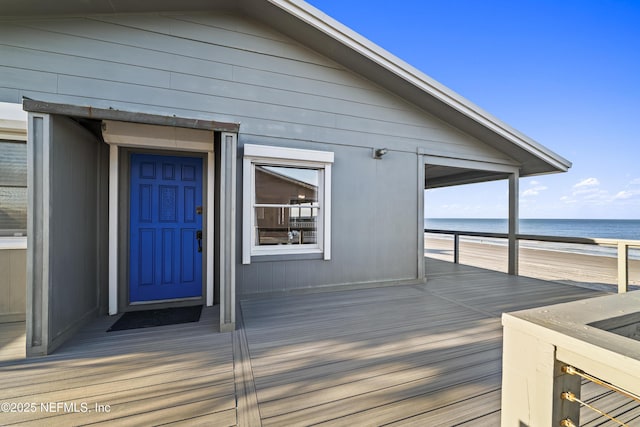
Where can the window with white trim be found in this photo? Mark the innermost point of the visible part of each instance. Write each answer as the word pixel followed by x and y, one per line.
pixel 286 201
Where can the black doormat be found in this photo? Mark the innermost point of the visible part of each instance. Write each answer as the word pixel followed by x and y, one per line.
pixel 159 317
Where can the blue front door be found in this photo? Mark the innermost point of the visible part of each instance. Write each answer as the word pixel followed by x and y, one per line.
pixel 165 227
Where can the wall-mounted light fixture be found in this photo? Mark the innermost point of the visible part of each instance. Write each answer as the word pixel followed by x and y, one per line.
pixel 379 152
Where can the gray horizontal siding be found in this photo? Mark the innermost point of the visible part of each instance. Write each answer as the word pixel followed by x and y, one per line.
pixel 374 209
pixel 215 64
pixel 226 68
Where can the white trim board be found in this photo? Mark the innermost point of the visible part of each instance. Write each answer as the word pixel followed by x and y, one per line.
pixel 274 155
pixel 157 137
pixel 10 242
pixel 116 134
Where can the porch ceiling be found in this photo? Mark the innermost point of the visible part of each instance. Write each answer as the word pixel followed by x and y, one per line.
pixel 445 176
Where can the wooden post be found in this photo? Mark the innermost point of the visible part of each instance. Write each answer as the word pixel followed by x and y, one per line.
pixel 623 267
pixel 513 222
pixel 227 226
pixel 532 379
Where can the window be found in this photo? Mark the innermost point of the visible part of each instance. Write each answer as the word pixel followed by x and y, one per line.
pixel 287 201
pixel 13 171
pixel 13 188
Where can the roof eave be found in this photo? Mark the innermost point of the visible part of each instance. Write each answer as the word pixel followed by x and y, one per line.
pixel 405 72
pixel 332 39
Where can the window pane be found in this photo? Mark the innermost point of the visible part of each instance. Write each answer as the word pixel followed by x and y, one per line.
pixel 13 210
pixel 13 164
pixel 286 185
pixel 285 226
pixel 13 188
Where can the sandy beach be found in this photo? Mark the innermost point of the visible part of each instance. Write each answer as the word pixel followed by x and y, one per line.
pixel 587 270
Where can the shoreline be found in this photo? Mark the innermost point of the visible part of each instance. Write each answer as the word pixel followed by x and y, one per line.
pixel 581 269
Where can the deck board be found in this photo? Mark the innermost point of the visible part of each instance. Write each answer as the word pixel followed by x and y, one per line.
pixel 12 339
pixel 400 355
pixel 164 375
pixel 415 355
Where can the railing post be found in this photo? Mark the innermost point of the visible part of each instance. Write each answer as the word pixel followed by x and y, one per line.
pixel 456 248
pixel 623 267
pixel 532 381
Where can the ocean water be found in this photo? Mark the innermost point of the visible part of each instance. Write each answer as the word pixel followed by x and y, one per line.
pixel 602 228
pixel 589 228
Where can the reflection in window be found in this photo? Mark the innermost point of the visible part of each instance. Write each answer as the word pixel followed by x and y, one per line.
pixel 13 188
pixel 286 202
pixel 286 205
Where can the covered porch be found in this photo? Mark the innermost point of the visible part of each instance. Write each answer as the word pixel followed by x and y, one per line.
pixel 423 355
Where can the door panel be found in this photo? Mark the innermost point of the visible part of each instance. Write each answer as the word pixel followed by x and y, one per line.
pixel 164 259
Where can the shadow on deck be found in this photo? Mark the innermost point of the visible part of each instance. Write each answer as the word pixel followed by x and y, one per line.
pixel 405 355
pixel 171 374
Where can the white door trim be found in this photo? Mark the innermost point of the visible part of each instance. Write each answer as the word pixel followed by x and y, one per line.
pixel 186 142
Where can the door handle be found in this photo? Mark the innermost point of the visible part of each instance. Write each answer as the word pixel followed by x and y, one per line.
pixel 199 239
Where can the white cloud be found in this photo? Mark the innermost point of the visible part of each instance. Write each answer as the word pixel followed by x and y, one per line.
pixel 534 191
pixel 624 194
pixel 635 181
pixel 589 182
pixel 586 191
pixel 589 189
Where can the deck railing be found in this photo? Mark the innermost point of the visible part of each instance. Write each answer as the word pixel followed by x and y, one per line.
pixel 550 351
pixel 621 245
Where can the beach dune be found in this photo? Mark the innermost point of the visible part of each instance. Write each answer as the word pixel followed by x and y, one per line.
pixel 577 269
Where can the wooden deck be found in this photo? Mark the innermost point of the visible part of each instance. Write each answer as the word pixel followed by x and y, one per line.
pixel 406 355
pixel 172 375
pixel 414 355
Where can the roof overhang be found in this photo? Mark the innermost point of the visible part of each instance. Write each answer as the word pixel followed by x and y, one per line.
pixel 325 35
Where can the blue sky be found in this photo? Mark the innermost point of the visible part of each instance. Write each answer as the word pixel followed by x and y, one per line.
pixel 566 73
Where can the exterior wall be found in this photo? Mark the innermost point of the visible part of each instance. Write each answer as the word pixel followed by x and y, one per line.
pixel 227 68
pixel 74 228
pixel 209 64
pixel 66 236
pixel 374 210
pixel 13 269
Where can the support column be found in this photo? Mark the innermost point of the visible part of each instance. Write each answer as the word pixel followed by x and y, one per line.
pixel 227 234
pixel 514 217
pixel 38 206
pixel 421 186
pixel 113 229
pixel 210 227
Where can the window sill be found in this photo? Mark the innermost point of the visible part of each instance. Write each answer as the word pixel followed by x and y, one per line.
pixel 287 257
pixel 8 242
